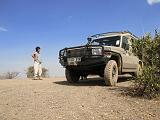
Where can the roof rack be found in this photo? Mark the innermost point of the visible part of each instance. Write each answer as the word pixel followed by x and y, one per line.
pixel 107 33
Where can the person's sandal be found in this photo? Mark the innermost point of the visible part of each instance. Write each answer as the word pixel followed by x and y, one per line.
pixel 40 78
pixel 35 78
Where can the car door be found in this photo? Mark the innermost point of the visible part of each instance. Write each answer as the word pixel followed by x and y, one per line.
pixel 134 59
pixel 127 56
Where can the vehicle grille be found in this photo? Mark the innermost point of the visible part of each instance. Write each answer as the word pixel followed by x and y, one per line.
pixel 78 52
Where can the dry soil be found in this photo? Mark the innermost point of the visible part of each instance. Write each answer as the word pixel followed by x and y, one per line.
pixel 55 99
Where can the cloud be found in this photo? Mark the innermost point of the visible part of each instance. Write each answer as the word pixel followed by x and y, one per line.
pixel 3 29
pixel 69 18
pixel 151 2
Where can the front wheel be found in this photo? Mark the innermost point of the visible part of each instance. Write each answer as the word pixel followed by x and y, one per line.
pixel 111 73
pixel 72 76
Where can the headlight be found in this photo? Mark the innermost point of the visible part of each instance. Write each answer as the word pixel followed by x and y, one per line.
pixel 97 51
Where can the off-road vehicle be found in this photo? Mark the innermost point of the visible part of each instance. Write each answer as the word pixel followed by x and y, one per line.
pixel 107 55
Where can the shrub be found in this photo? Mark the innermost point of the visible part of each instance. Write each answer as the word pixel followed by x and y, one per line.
pixel 30 72
pixel 148 50
pixel 148 84
pixel 9 75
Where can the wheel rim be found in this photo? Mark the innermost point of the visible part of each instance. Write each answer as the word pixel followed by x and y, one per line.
pixel 114 71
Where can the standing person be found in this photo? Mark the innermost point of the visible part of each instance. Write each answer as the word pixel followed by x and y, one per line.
pixel 37 64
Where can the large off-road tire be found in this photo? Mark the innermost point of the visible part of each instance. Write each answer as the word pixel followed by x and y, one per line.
pixel 72 76
pixel 138 71
pixel 111 73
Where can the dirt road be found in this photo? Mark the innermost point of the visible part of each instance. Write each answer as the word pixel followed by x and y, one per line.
pixel 55 99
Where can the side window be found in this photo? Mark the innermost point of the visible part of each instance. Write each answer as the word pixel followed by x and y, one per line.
pixel 124 42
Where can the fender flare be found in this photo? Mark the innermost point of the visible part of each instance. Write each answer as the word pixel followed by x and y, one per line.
pixel 120 61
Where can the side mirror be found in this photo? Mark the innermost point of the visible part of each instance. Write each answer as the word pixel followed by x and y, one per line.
pixel 117 42
pixel 89 39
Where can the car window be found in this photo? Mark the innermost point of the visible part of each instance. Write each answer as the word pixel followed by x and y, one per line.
pixel 124 42
pixel 108 41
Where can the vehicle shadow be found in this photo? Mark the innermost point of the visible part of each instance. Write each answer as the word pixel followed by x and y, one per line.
pixel 90 82
pixel 124 78
pixel 86 82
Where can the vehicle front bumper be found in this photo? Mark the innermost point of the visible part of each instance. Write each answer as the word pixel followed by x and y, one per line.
pixel 85 63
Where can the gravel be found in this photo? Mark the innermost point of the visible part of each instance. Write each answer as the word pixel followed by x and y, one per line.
pixel 55 99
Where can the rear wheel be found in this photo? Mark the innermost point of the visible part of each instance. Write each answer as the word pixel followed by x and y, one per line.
pixel 111 73
pixel 72 76
pixel 83 77
pixel 138 71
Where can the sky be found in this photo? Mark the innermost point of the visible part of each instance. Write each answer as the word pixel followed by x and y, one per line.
pixel 55 24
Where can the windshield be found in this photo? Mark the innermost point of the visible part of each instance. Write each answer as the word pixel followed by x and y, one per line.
pixel 108 41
